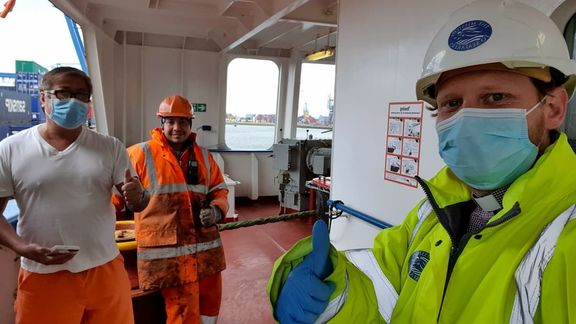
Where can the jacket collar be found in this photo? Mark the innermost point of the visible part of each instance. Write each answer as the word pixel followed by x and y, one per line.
pixel 549 178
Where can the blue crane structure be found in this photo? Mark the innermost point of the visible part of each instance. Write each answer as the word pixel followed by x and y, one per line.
pixel 77 41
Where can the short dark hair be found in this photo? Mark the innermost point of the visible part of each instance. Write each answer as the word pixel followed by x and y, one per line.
pixel 48 78
pixel 557 79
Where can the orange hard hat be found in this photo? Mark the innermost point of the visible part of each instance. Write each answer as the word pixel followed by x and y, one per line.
pixel 175 106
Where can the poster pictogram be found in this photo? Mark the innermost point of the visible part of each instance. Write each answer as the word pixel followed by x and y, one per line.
pixel 403 142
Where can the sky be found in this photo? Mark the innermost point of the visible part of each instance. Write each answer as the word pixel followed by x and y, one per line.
pixel 35 31
pixel 316 85
pixel 253 87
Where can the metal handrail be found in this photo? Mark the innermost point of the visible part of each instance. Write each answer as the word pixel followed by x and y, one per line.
pixel 337 204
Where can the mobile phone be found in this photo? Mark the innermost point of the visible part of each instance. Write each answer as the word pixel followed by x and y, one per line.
pixel 65 248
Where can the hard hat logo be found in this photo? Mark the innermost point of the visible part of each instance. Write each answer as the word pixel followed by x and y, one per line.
pixel 469 35
pixel 175 106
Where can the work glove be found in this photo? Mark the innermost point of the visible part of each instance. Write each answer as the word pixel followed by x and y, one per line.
pixel 304 295
pixel 210 216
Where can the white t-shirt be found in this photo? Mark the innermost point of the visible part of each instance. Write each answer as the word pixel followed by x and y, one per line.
pixel 64 197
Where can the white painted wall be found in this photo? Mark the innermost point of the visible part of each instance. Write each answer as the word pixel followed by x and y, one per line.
pixel 144 75
pixel 239 165
pixel 371 71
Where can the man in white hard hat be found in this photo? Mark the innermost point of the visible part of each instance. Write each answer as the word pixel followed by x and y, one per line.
pixel 493 241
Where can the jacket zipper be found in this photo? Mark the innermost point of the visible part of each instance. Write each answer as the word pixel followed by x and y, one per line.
pixel 455 251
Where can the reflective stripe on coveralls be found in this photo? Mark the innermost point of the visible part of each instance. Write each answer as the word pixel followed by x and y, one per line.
pixel 175 188
pixel 221 185
pixel 208 169
pixel 171 188
pixel 529 273
pixel 208 319
pixel 171 252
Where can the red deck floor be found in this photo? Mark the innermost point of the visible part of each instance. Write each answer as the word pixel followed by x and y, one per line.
pixel 250 254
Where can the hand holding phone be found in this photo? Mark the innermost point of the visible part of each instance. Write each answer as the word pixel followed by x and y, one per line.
pixel 63 249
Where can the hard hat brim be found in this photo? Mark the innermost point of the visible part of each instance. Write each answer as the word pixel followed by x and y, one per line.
pixel 528 68
pixel 175 115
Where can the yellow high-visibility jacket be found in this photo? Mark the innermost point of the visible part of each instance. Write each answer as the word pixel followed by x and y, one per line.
pixel 173 247
pixel 521 268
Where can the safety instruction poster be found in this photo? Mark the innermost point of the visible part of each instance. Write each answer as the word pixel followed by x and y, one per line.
pixel 403 142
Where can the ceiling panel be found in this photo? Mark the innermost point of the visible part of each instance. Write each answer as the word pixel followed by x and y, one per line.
pixel 227 25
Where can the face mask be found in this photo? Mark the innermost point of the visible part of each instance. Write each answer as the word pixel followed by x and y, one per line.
pixel 68 113
pixel 487 148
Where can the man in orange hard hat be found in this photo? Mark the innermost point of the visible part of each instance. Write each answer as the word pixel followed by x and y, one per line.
pixel 179 246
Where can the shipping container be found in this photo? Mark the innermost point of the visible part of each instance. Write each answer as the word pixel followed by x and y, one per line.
pixel 37 116
pixel 15 112
pixel 30 67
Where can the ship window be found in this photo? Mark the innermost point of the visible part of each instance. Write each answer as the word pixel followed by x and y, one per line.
pixel 316 101
pixel 251 104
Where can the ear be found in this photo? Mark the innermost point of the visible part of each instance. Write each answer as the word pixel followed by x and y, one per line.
pixel 43 101
pixel 555 108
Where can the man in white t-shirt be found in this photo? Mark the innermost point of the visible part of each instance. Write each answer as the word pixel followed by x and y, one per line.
pixel 62 176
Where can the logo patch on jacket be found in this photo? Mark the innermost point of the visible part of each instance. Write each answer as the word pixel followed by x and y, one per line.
pixel 418 261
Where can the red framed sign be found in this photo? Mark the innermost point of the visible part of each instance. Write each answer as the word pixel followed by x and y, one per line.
pixel 403 141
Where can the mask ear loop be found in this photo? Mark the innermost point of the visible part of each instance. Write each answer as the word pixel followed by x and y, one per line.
pixel 531 110
pixel 536 105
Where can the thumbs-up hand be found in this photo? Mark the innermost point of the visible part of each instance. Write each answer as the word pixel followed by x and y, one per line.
pixel 304 295
pixel 132 190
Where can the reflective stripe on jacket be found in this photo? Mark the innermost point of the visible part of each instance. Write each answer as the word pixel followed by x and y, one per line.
pixel 518 269
pixel 173 247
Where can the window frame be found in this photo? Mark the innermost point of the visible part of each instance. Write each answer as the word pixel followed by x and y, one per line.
pixel 280 98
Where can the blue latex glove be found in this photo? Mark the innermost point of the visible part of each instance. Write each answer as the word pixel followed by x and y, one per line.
pixel 304 295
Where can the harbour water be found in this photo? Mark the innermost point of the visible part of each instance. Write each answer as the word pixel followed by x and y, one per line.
pixel 248 137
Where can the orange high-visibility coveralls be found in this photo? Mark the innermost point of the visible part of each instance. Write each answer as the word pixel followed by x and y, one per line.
pixel 175 252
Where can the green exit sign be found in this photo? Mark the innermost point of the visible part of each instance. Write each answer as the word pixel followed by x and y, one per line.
pixel 199 107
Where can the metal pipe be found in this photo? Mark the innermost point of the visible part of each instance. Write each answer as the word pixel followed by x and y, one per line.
pixel 337 204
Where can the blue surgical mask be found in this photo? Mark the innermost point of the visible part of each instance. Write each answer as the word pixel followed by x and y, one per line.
pixel 487 148
pixel 68 113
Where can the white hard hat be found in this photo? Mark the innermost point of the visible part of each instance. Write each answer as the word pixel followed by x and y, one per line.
pixel 510 33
